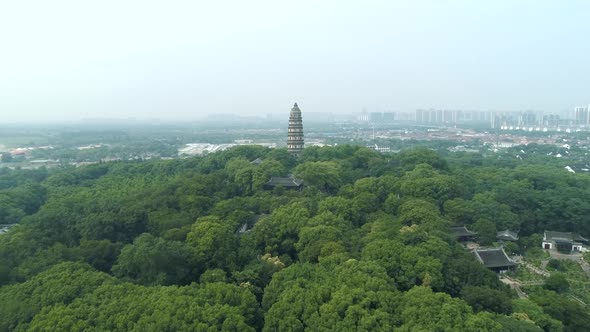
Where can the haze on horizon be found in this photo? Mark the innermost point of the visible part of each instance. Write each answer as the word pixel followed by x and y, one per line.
pixel 70 60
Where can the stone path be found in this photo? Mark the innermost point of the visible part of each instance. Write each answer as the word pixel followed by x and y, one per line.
pixel 585 266
pixel 514 284
pixel 536 270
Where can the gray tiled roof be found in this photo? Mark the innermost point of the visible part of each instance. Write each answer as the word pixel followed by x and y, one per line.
pixel 495 257
pixel 462 231
pixel 507 235
pixel 285 182
pixel 563 236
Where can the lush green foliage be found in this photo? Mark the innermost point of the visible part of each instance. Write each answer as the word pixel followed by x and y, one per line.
pixel 198 244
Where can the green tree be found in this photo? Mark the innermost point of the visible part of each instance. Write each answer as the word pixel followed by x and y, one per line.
pixel 155 261
pixel 279 233
pixel 100 254
pixel 423 310
pixel 461 270
pixel 312 239
pixel 536 314
pixel 61 284
pixel 407 265
pixel 459 211
pixel 213 243
pixel 352 296
pixel 326 175
pixel 486 231
pixel 267 169
pixel 573 316
pixel 557 282
pixel 487 299
pixel 518 324
pixel 422 213
pixel 425 182
pixel 241 171
pixel 410 158
pixel 211 306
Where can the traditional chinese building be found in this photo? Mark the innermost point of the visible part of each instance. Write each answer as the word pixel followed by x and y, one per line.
pixel 494 259
pixel 565 242
pixel 295 133
pixel 507 235
pixel 462 234
pixel 287 183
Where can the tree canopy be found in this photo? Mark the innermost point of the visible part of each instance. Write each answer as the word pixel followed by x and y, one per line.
pixel 200 244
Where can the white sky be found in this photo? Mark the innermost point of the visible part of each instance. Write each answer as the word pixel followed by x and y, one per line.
pixel 182 59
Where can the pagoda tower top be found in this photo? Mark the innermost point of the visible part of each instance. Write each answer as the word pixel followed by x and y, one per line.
pixel 295 132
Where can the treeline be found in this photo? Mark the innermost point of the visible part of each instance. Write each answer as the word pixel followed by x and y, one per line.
pixel 20 193
pixel 198 244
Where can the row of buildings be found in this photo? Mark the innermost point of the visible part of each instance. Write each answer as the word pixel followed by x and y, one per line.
pixel 582 115
pixel 377 117
pixel 527 120
pixel 452 116
pixel 497 260
pixel 521 120
pixel 577 118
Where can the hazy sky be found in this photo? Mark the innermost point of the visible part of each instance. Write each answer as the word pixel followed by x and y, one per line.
pixel 182 59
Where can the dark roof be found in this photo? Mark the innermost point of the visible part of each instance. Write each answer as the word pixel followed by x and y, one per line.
pixel 461 231
pixel 246 227
pixel 285 182
pixel 563 237
pixel 495 257
pixel 507 235
pixel 5 227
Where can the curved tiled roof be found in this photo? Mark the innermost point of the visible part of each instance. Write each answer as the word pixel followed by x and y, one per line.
pixel 461 231
pixel 285 182
pixel 493 257
pixel 507 235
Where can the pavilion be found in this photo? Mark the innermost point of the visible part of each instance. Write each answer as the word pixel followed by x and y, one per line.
pixel 494 259
pixel 287 183
pixel 462 234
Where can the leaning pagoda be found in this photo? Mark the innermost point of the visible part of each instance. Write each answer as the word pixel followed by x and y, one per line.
pixel 295 134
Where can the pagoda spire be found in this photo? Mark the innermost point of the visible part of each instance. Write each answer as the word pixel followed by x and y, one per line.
pixel 295 132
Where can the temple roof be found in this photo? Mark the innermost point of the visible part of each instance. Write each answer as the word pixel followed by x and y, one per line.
pixel 494 257
pixel 247 226
pixel 256 161
pixel 507 235
pixel 563 237
pixel 460 231
pixel 285 182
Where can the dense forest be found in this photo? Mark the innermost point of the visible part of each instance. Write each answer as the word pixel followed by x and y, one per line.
pixel 201 245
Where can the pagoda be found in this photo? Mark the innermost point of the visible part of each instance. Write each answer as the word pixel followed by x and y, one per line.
pixel 295 133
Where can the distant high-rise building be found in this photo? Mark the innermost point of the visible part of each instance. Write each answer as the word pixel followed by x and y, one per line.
pixel 375 117
pixel 388 117
pixel 295 132
pixel 420 116
pixel 551 120
pixel 582 115
pixel 527 119
pixel 449 116
pixel 364 116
